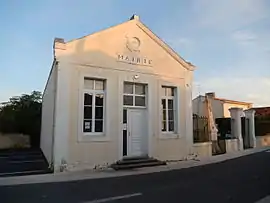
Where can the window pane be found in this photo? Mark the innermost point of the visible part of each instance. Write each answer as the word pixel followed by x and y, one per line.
pixel 99 84
pixel 170 104
pixel 164 126
pixel 170 112
pixel 163 91
pixel 128 88
pixel 98 125
pixel 169 91
pixel 128 100
pixel 140 89
pixel 87 126
pixel 87 99
pixel 124 116
pixel 99 99
pixel 171 126
pixel 99 112
pixel 163 104
pixel 89 84
pixel 87 112
pixel 139 101
pixel 164 115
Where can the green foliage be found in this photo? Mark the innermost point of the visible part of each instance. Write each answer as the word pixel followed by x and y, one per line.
pixel 22 114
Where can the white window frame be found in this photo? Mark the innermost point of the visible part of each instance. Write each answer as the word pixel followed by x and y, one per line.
pixel 173 98
pixel 134 95
pixel 94 92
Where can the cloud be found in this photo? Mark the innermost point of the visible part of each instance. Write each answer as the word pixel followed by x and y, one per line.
pixel 181 43
pixel 252 89
pixel 244 37
pixel 229 14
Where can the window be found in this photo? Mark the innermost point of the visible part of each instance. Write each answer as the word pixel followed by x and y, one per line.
pixel 93 114
pixel 168 109
pixel 134 94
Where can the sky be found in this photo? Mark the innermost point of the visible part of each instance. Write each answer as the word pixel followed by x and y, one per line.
pixel 227 40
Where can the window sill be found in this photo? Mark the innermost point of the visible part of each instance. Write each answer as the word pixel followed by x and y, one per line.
pixel 93 137
pixel 168 135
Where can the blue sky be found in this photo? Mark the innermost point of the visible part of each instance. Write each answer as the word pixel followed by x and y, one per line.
pixel 228 40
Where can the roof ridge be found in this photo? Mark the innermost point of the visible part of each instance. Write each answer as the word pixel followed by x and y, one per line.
pixel 217 98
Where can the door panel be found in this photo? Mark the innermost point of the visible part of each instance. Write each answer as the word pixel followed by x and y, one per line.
pixel 137 133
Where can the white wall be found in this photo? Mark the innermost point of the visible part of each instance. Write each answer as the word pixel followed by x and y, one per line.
pixel 96 56
pixel 47 123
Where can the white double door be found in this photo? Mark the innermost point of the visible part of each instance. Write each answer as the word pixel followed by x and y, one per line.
pixel 137 132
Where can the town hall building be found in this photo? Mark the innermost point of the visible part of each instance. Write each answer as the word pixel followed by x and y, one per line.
pixel 121 92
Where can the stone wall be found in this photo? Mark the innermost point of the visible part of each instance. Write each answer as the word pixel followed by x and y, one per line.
pixel 262 141
pixel 14 141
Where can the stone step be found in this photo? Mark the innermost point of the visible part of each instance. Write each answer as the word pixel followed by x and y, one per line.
pixel 134 161
pixel 131 164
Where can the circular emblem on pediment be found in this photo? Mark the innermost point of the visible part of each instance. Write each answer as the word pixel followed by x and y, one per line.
pixel 133 44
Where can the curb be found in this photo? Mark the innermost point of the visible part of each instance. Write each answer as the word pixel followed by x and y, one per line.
pixel 90 174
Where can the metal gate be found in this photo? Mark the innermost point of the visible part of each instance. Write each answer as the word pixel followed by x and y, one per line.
pixel 245 132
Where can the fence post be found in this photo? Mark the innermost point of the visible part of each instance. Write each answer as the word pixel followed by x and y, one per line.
pixel 236 125
pixel 249 113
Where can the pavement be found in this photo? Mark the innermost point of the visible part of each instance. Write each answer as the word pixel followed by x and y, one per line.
pixel 107 173
pixel 244 178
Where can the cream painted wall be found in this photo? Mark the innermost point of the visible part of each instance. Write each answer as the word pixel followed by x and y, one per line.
pixel 217 107
pixel 96 56
pixel 231 145
pixel 220 108
pixel 199 107
pixel 227 106
pixel 48 107
pixel 203 149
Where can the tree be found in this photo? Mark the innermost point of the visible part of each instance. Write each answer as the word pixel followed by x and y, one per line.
pixel 22 114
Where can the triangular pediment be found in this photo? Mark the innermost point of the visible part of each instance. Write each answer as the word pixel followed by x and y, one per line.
pixel 131 42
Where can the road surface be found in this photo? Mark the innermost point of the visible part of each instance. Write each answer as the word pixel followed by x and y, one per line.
pixel 245 179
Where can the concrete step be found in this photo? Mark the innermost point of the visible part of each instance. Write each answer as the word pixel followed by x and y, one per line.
pixel 136 163
pixel 136 158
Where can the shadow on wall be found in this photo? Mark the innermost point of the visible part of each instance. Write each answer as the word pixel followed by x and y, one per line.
pixel 100 59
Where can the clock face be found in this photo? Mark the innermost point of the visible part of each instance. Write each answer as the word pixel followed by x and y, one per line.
pixel 133 44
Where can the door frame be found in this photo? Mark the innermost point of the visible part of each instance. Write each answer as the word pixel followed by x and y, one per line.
pixel 147 145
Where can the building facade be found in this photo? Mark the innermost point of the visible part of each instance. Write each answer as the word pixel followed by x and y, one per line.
pixel 220 106
pixel 120 92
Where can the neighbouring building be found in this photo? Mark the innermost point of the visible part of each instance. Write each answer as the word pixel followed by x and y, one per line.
pixel 120 92
pixel 220 106
pixel 262 111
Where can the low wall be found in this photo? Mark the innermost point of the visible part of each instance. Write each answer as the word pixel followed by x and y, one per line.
pixel 203 149
pixel 231 145
pixel 14 141
pixel 262 141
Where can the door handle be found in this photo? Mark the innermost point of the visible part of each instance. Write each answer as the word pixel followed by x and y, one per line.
pixel 128 133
